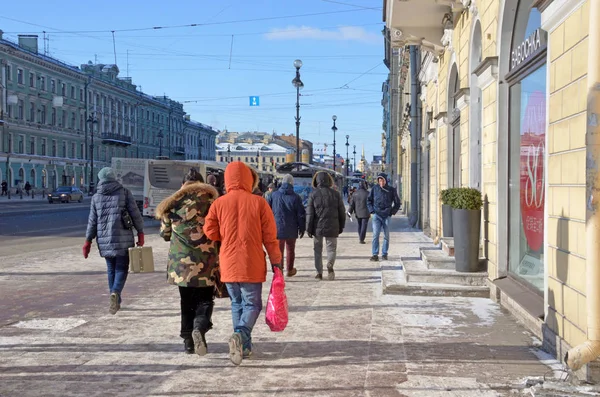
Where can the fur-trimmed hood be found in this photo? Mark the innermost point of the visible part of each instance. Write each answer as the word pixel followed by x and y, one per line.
pixel 322 179
pixel 189 188
pixel 255 178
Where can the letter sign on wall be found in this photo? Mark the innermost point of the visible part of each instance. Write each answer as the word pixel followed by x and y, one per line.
pixel 530 47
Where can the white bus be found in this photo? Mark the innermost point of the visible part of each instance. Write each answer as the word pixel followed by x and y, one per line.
pixel 162 178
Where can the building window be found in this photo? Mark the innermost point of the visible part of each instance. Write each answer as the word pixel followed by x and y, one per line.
pixel 81 97
pixel 8 73
pixel 32 146
pixel 81 151
pixel 53 86
pixel 81 126
pixel 32 112
pixel 43 114
pixel 53 117
pixel 73 154
pixel 21 148
pixel 31 80
pixel 72 92
pixel 43 146
pixel 527 176
pixel 73 120
pixel 42 83
pixel 63 120
pixel 20 76
pixel 63 89
pixel 20 111
pixel 64 149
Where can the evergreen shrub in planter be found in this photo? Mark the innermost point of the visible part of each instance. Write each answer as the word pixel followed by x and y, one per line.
pixel 466 223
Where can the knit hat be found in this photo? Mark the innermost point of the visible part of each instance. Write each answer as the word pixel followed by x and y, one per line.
pixel 107 174
pixel 288 178
pixel 271 186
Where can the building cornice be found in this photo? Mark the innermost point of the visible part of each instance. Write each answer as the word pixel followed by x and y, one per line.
pixel 557 11
pixel 487 72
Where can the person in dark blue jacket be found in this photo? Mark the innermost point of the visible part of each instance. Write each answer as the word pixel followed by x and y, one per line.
pixel 383 203
pixel 105 224
pixel 290 217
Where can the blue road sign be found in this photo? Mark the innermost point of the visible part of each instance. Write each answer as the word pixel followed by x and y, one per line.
pixel 254 101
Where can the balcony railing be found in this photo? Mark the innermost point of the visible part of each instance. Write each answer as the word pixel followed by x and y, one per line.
pixel 115 139
pixel 178 150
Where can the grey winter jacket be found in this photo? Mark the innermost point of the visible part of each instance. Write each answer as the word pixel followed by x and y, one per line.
pixel 358 205
pixel 105 223
pixel 325 212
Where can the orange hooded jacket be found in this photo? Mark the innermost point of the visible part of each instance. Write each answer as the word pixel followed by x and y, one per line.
pixel 243 222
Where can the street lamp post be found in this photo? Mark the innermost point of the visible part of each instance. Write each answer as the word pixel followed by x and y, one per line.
pixel 92 120
pixel 201 147
pixel 229 153
pixel 296 82
pixel 160 142
pixel 354 162
pixel 347 156
pixel 334 129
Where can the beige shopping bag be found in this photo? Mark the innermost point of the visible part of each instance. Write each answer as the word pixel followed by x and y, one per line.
pixel 141 260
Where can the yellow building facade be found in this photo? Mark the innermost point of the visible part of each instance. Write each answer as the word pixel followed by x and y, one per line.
pixel 506 109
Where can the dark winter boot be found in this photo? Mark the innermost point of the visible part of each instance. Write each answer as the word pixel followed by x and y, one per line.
pixel 188 344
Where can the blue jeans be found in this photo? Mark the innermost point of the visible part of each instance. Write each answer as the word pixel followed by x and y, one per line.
pixel 378 223
pixel 117 269
pixel 246 304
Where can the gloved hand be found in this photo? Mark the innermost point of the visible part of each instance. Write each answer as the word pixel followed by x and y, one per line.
pixel 274 265
pixel 87 246
pixel 140 242
pixel 301 234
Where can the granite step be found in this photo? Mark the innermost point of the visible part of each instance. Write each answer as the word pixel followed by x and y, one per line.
pixel 437 259
pixel 448 245
pixel 418 272
pixel 394 282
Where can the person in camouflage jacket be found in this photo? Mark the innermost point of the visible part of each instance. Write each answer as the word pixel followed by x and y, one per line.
pixel 193 257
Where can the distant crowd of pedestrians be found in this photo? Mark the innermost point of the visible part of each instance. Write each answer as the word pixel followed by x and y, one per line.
pixel 220 236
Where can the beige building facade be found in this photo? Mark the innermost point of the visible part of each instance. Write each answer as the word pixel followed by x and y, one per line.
pixel 506 106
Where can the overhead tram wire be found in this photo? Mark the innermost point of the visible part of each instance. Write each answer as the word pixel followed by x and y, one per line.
pixel 193 25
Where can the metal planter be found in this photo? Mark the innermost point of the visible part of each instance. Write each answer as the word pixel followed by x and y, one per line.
pixel 447 221
pixel 466 226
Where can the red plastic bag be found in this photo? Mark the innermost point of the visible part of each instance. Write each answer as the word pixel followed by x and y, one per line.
pixel 277 307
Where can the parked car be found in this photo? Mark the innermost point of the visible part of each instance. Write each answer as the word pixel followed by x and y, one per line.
pixel 66 194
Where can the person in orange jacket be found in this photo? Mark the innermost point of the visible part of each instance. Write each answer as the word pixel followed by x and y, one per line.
pixel 243 223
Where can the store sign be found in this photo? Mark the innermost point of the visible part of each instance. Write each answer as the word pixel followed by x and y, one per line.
pixel 529 48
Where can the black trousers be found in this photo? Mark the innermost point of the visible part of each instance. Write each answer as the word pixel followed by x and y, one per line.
pixel 362 228
pixel 196 309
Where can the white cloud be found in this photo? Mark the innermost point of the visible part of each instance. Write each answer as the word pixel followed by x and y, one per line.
pixel 343 33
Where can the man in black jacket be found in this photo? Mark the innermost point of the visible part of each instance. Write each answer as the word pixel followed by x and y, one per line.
pixel 383 202
pixel 358 206
pixel 325 217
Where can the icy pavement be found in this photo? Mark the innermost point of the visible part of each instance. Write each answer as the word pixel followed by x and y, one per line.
pixel 344 337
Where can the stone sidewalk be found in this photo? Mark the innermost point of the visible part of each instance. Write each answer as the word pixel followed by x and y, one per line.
pixel 344 337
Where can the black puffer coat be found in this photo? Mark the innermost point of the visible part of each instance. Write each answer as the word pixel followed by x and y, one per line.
pixel 105 223
pixel 325 212
pixel 358 204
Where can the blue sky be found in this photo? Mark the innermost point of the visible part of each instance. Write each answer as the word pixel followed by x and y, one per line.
pixel 341 49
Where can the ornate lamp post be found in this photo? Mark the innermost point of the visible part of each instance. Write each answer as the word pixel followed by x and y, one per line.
pixel 354 162
pixel 296 82
pixel 347 156
pixel 334 129
pixel 228 153
pixel 93 121
pixel 201 147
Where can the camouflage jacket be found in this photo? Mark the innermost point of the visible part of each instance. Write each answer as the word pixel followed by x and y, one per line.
pixel 193 258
